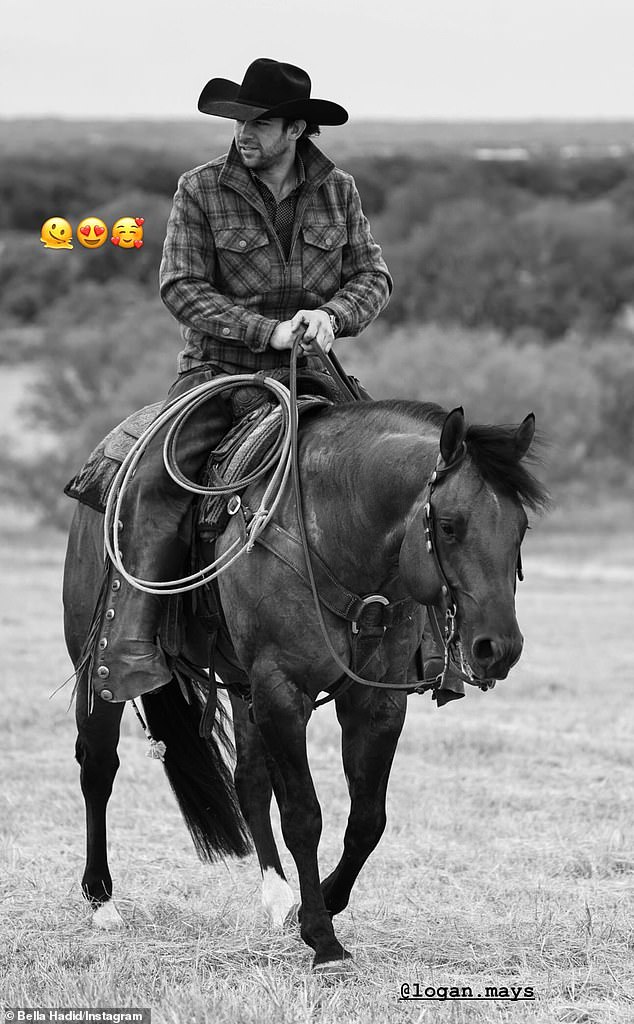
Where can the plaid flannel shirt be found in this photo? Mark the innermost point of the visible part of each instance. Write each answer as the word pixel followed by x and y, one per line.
pixel 224 275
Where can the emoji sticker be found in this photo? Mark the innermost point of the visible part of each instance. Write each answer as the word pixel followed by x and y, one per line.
pixel 92 232
pixel 56 234
pixel 127 232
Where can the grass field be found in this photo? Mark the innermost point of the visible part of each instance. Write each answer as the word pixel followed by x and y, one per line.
pixel 508 859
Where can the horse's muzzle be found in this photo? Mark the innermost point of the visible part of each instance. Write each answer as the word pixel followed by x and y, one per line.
pixel 494 657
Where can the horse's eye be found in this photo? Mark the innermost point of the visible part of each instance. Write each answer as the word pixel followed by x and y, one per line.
pixel 447 528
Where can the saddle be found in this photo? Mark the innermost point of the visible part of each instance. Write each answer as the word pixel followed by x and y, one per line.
pixel 241 450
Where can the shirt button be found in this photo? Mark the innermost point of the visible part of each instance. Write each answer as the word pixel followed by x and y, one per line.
pixel 226 330
pixel 243 243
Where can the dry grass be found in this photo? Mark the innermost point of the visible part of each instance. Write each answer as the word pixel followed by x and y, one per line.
pixel 508 858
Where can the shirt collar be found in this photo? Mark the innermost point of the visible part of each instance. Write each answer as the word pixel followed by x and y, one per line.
pixel 300 177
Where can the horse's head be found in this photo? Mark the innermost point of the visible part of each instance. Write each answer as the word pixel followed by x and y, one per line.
pixel 465 534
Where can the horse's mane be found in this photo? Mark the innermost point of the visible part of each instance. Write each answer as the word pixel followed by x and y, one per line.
pixel 490 446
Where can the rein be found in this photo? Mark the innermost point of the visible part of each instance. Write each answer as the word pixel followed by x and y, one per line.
pixel 446 637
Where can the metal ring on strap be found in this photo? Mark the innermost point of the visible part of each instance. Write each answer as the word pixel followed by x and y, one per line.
pixel 370 599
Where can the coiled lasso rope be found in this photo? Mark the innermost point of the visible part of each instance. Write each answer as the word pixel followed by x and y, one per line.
pixel 178 412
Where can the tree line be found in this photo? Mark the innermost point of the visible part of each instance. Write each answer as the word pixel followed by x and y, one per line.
pixel 544 244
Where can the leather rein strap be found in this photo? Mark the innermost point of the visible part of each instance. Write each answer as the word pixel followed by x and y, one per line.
pixel 449 638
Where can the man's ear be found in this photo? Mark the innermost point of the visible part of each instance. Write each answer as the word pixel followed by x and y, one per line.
pixel 296 129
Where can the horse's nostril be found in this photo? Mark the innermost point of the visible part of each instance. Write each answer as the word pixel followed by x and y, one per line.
pixel 483 650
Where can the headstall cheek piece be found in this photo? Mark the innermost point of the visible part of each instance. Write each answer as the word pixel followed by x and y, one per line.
pixel 451 609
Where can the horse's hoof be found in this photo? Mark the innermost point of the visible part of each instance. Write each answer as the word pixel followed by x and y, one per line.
pixel 107 918
pixel 336 970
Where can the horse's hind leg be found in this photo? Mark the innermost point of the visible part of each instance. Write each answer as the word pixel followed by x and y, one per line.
pixel 96 752
pixel 371 723
pixel 97 733
pixel 254 789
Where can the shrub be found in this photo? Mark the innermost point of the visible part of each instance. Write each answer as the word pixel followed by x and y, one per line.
pixel 494 380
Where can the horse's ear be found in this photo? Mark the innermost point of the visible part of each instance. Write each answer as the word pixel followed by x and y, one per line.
pixel 452 435
pixel 524 435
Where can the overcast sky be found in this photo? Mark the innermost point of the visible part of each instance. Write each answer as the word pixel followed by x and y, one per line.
pixel 379 58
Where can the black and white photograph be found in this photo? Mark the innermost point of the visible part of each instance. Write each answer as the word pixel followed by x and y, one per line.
pixel 317 518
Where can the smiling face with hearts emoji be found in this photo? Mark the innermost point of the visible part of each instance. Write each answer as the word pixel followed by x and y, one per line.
pixel 91 232
pixel 127 232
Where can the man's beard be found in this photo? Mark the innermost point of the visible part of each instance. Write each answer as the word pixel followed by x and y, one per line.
pixel 258 160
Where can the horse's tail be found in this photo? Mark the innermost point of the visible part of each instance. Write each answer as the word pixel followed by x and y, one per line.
pixel 198 772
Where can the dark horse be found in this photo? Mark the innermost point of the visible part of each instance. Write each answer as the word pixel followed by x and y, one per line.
pixel 365 470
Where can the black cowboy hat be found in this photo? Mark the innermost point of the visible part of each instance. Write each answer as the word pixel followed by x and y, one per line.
pixel 270 89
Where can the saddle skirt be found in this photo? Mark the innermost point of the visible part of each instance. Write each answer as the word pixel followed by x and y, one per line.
pixel 92 483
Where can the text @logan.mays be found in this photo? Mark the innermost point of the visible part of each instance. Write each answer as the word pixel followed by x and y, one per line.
pixel 418 991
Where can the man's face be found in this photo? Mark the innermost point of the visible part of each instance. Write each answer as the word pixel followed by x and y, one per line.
pixel 263 143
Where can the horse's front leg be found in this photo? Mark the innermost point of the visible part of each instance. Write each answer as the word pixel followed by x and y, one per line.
pixel 281 712
pixel 96 752
pixel 371 723
pixel 254 789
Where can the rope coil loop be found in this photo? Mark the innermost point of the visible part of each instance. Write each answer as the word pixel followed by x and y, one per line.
pixel 177 413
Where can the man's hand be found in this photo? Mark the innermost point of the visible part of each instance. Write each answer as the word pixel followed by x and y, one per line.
pixel 311 325
pixel 283 336
pixel 317 328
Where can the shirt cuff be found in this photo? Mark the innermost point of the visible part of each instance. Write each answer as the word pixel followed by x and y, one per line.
pixel 334 309
pixel 255 331
pixel 259 333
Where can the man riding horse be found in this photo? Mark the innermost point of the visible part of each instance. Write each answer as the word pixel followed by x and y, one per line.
pixel 264 245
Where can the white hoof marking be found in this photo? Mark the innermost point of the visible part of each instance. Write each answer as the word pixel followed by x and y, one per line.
pixel 277 898
pixel 107 917
pixel 335 970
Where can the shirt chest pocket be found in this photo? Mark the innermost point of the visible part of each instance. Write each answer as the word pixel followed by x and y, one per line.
pixel 322 253
pixel 244 260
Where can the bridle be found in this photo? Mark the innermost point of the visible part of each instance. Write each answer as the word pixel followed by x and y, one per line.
pixel 448 637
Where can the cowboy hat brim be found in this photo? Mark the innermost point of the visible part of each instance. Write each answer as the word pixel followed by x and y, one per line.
pixel 219 98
